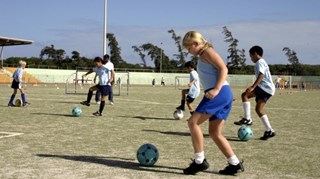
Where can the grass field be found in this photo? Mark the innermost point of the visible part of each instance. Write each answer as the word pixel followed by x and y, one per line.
pixel 43 140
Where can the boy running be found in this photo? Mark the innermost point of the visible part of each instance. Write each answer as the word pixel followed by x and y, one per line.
pixel 193 92
pixel 263 88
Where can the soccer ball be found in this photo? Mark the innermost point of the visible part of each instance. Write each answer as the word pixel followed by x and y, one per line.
pixel 147 154
pixel 178 114
pixel 18 103
pixel 76 111
pixel 245 133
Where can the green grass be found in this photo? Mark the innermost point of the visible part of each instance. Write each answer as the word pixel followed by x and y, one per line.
pixel 56 145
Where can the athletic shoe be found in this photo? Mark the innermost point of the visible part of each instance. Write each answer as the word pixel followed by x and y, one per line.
pixel 11 105
pixel 232 169
pixel 97 113
pixel 267 135
pixel 111 103
pixel 180 108
pixel 85 103
pixel 26 104
pixel 195 168
pixel 244 121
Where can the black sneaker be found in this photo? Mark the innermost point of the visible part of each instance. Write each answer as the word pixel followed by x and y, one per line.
pixel 85 103
pixel 180 108
pixel 11 105
pixel 97 113
pixel 244 121
pixel 267 135
pixel 195 168
pixel 232 169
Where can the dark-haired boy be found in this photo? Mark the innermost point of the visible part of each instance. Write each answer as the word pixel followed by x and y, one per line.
pixel 262 89
pixel 193 92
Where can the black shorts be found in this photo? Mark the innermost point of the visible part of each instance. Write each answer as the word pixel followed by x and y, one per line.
pixel 261 94
pixel 104 90
pixel 15 85
pixel 189 99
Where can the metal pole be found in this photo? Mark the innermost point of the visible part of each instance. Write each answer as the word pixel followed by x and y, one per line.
pixel 105 27
pixel 161 58
pixel 1 56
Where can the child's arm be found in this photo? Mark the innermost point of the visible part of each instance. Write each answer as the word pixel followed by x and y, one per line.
pixel 256 83
pixel 212 57
pixel 89 72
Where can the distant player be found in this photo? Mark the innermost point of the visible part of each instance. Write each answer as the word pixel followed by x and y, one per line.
pixel 262 89
pixel 193 92
pixel 104 84
pixel 110 66
pixel 17 84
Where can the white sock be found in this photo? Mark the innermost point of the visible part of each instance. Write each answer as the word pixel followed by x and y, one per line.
pixel 266 123
pixel 233 160
pixel 199 157
pixel 246 109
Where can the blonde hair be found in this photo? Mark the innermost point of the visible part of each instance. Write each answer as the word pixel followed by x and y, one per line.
pixel 21 62
pixel 192 37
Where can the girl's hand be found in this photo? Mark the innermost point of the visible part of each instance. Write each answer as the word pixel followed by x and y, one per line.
pixel 211 93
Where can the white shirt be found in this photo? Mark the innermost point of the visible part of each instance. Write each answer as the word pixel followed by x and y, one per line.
pixel 194 90
pixel 266 84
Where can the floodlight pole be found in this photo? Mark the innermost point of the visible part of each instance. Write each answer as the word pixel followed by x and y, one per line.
pixel 105 28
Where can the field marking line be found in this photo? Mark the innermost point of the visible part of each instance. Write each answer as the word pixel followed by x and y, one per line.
pixel 9 134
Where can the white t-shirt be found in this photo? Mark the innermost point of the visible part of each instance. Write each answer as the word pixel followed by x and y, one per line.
pixel 194 90
pixel 266 84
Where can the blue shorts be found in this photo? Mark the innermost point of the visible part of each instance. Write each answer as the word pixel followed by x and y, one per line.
pixel 261 94
pixel 15 85
pixel 220 106
pixel 104 90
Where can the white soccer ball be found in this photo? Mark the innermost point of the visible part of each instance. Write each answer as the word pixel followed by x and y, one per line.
pixel 178 114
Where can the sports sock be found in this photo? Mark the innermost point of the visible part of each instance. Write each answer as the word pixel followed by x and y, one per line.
pixel 246 109
pixel 102 104
pixel 89 96
pixel 23 97
pixel 199 157
pixel 183 102
pixel 266 123
pixel 233 160
pixel 12 98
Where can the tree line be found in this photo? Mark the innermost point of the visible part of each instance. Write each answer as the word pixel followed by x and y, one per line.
pixel 236 60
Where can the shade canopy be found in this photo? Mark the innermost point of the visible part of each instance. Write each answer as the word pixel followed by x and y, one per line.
pixel 7 41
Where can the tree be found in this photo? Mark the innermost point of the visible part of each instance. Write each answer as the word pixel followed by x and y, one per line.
pixel 75 55
pixel 142 56
pixel 115 50
pixel 49 51
pixel 182 55
pixel 237 58
pixel 296 67
pixel 157 55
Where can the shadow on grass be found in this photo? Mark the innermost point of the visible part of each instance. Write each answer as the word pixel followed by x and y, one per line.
pixel 116 162
pixel 174 133
pixel 148 117
pixel 50 114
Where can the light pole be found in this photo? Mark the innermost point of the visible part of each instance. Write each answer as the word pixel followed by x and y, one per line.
pixel 160 57
pixel 105 27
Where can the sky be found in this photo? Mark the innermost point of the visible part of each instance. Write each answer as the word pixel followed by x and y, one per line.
pixel 78 25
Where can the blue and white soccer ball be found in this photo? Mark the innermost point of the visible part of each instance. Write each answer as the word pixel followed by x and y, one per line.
pixel 76 111
pixel 147 154
pixel 245 133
